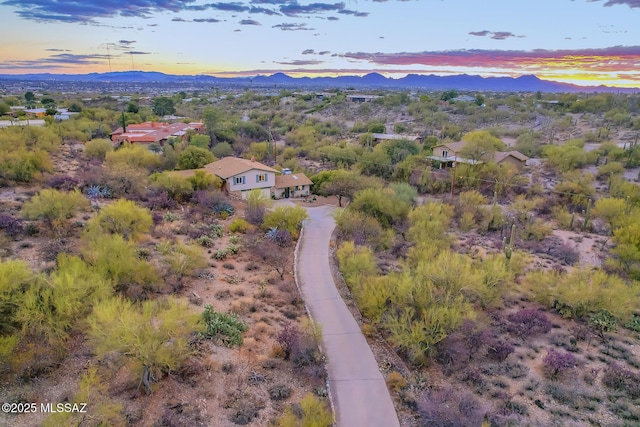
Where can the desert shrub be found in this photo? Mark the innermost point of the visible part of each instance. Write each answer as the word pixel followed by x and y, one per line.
pixel 123 217
pixel 244 412
pixel 448 407
pixel 53 206
pixel 154 335
pixel 178 188
pixel 239 225
pixel 202 180
pixel 220 254
pixel 634 323
pixel 286 218
pixel 205 241
pixel 98 148
pixel 63 182
pixel 617 377
pixel 171 217
pixel 213 202
pixel 11 225
pixel 581 292
pixel 311 412
pixel 224 328
pixel 132 155
pixel 362 229
pixel 289 339
pixel 160 199
pixel 396 381
pixel 279 392
pixel 499 350
pixel 116 258
pixel 603 322
pixel 558 362
pixel 282 238
pixel 528 322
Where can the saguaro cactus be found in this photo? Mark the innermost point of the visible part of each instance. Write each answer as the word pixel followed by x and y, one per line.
pixel 508 248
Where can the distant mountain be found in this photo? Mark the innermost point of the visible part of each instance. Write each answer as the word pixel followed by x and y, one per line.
pixel 528 83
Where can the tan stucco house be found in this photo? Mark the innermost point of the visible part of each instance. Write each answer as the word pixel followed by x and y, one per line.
pixel 292 185
pixel 239 176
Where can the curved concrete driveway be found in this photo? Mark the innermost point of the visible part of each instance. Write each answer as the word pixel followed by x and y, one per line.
pixel 359 393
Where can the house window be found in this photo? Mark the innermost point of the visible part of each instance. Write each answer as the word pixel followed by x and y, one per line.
pixel 261 178
pixel 445 153
pixel 238 180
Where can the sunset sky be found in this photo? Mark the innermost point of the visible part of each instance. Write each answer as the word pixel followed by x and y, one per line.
pixel 588 42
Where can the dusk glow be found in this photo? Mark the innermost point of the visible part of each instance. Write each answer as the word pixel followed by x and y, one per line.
pixel 586 42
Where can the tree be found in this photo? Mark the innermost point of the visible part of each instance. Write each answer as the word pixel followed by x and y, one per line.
pixel 273 255
pixel 200 141
pixel 123 217
pixel 286 218
pixel 54 207
pixel 55 305
pixel 344 184
pixel 98 148
pixel 178 188
pixel 257 204
pixel 15 278
pixel 202 180
pixel 132 107
pixel 163 106
pixel 154 334
pixel 222 149
pixel 30 98
pixel 193 158
pixel 384 205
pixel 480 146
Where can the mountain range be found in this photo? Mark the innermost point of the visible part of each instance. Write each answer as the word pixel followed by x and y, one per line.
pixel 526 83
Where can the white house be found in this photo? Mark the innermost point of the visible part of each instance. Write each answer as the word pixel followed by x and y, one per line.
pixel 239 176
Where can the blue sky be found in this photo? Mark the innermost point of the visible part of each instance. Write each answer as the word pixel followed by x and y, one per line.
pixel 579 41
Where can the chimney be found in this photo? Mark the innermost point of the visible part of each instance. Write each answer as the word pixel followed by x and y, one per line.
pixel 253 158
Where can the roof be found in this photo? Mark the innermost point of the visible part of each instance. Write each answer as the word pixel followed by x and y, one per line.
pixel 395 136
pixel 501 155
pixel 292 180
pixel 154 131
pixel 227 167
pixel 453 146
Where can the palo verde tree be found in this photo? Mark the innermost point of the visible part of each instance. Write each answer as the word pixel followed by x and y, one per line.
pixel 54 207
pixel 155 335
pixel 123 217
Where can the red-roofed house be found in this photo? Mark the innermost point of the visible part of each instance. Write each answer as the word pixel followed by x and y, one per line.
pixel 154 132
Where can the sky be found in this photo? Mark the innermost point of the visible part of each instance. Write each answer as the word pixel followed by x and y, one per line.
pixel 585 42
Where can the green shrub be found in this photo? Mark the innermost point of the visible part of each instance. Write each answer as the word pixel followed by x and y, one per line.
pixel 224 328
pixel 239 225
pixel 98 148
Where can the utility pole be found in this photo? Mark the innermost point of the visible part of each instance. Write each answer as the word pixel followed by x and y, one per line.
pixel 453 181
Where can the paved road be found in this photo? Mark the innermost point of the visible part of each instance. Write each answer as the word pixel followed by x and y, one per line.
pixel 359 393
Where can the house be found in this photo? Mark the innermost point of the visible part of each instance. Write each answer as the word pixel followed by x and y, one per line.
pixel 240 176
pixel 379 137
pixel 448 154
pixel 153 132
pixel 514 158
pixel 362 98
pixel 292 185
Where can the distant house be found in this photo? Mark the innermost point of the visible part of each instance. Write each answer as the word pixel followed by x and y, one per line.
pixel 514 158
pixel 362 98
pixel 240 176
pixel 379 137
pixel 464 98
pixel 292 185
pixel 154 132
pixel 448 154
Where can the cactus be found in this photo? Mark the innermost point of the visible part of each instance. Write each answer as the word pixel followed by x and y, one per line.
pixel 508 249
pixel 587 216
pixel 573 217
